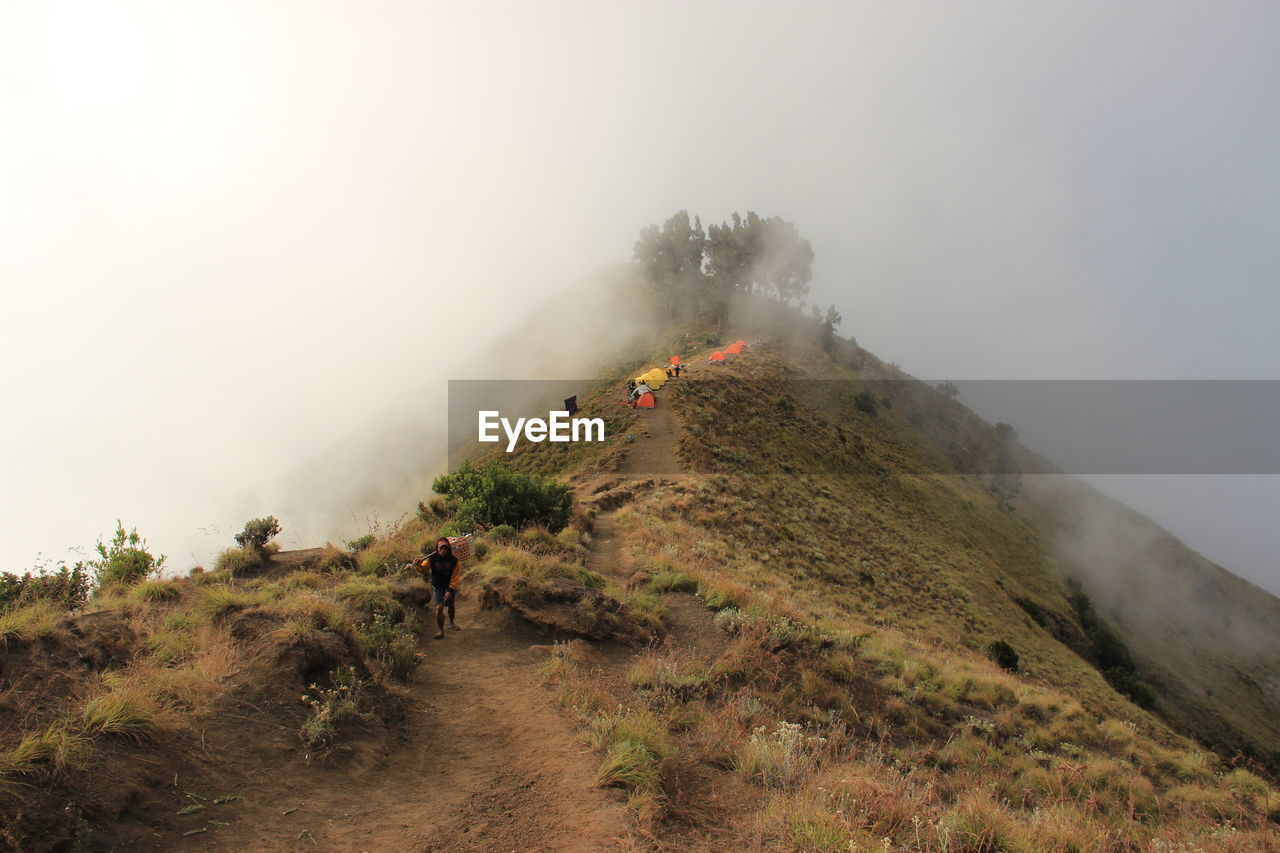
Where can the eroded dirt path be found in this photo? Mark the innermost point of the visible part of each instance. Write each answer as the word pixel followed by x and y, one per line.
pixel 482 761
pixel 475 757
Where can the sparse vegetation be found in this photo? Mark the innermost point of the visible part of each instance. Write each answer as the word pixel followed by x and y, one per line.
pixel 390 646
pixel 126 712
pixel 330 707
pixel 240 562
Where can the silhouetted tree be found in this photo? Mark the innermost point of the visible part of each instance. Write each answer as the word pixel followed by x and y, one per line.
pixel 671 258
pixel 697 273
pixel 829 324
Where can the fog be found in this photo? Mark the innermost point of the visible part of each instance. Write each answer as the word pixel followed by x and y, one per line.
pixel 232 234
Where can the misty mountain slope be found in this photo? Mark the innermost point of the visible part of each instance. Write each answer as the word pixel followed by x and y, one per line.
pixel 785 639
pixel 861 511
pixel 1208 640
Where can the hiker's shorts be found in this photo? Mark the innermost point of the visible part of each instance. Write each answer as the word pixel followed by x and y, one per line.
pixel 444 595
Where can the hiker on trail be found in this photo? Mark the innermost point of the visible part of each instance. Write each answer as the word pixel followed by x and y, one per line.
pixel 642 388
pixel 442 566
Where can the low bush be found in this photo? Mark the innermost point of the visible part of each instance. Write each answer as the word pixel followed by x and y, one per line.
pixel 1004 655
pixel 126 559
pixel 1127 683
pixel 358 544
pixel 495 493
pixel 502 533
pixel 258 532
pixel 67 587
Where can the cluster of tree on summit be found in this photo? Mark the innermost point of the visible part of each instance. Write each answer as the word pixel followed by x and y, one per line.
pixel 697 272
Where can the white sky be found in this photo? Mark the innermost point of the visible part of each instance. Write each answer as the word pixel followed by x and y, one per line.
pixel 231 231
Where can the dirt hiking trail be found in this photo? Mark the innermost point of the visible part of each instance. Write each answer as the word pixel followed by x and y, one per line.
pixel 475 755
pixel 481 760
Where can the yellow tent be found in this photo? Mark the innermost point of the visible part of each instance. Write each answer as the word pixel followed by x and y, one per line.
pixel 656 378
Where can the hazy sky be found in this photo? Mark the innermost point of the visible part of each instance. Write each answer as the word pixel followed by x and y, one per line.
pixel 232 231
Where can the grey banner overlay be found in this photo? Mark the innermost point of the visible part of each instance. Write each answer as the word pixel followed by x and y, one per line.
pixel 1197 427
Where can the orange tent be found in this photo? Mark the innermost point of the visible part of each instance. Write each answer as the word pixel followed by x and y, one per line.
pixel 717 357
pixel 646 401
pixel 675 359
pixel 734 349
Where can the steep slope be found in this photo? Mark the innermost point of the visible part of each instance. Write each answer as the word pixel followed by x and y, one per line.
pixel 875 502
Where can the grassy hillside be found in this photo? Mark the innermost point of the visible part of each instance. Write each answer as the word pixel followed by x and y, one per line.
pixel 778 619
pixel 862 510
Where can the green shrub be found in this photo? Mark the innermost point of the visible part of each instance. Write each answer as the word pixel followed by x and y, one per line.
pixel 494 493
pixel 66 587
pixel 126 559
pixel 1127 683
pixel 866 402
pixel 358 544
pixel 503 533
pixel 1003 655
pixel 258 532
